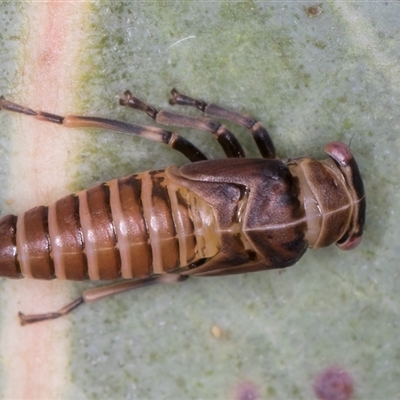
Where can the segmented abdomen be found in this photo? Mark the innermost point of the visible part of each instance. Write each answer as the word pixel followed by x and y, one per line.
pixel 132 227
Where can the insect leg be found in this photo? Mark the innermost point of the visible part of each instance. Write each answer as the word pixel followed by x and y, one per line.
pixel 257 130
pixel 91 295
pixel 30 319
pixel 226 139
pixel 172 139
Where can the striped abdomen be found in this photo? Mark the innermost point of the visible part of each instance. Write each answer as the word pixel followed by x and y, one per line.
pixel 132 227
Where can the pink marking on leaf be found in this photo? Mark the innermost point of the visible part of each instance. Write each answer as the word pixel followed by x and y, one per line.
pixel 333 383
pixel 247 391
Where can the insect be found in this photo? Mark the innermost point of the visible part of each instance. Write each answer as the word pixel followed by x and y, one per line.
pixel 206 218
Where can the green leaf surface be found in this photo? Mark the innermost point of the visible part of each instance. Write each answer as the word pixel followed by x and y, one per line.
pixel 311 76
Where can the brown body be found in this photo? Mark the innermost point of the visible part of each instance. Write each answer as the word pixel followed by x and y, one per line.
pixel 211 217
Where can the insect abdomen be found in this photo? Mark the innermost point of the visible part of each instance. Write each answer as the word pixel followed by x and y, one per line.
pixel 131 227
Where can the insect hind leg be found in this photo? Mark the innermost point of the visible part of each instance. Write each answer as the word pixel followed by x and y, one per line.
pixel 94 294
pixel 257 130
pixel 169 138
pixel 226 139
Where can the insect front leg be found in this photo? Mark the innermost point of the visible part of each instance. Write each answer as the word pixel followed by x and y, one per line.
pixel 227 140
pixel 91 295
pixel 257 130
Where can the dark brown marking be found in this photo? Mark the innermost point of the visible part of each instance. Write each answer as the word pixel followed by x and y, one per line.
pixel 37 243
pixel 169 244
pixel 130 190
pixel 98 199
pixel 9 265
pixel 187 226
pixel 71 238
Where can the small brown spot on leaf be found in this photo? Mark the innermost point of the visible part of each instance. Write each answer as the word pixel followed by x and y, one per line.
pixel 313 11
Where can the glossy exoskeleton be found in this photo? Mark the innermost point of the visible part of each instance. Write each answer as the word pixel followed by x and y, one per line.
pixel 209 218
